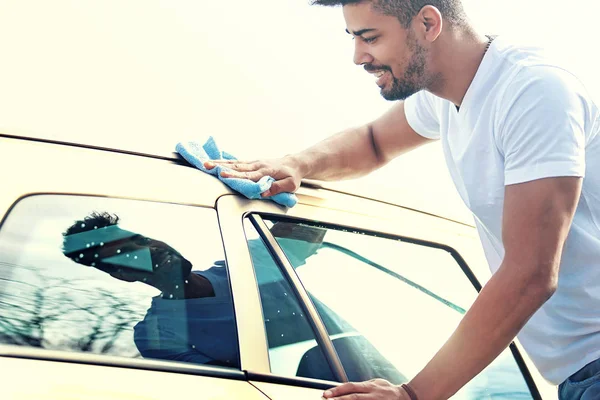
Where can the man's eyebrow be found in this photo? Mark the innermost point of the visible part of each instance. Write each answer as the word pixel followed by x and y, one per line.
pixel 360 32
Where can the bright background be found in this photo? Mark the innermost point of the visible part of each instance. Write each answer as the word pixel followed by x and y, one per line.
pixel 266 78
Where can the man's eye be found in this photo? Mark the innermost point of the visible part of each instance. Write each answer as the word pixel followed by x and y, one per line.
pixel 369 40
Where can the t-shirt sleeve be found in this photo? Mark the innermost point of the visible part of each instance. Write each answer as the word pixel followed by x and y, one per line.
pixel 422 114
pixel 543 127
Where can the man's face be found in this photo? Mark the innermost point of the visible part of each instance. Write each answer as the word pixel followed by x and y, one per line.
pixel 129 257
pixel 167 264
pixel 387 50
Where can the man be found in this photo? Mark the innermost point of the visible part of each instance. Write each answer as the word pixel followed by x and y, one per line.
pixel 520 137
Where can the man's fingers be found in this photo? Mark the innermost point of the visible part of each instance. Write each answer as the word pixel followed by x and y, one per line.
pixel 253 175
pixel 357 396
pixel 347 389
pixel 236 165
pixel 284 185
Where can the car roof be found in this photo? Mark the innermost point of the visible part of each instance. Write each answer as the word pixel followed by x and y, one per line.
pixel 308 187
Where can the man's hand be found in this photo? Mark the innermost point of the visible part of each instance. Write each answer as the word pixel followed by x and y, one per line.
pixel 285 171
pixel 376 389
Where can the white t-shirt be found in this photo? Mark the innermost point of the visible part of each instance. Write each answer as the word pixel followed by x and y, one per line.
pixel 525 118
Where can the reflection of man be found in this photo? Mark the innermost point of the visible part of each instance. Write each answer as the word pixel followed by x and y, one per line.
pixel 191 320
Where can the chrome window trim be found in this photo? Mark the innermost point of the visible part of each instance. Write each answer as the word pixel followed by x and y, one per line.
pixel 290 381
pixel 32 353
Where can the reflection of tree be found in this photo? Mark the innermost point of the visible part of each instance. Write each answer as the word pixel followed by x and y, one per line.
pixel 65 314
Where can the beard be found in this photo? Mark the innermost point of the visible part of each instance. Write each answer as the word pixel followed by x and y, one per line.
pixel 414 78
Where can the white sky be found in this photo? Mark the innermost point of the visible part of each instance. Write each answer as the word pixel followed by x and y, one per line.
pixel 265 77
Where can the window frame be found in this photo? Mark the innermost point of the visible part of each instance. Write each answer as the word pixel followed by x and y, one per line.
pixel 33 353
pixel 258 221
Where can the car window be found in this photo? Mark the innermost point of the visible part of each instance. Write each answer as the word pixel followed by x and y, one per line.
pixel 289 334
pixel 400 302
pixel 116 277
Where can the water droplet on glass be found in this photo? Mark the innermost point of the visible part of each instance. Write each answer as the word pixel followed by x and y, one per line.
pixel 144 279
pixel 81 256
pixel 176 286
pixel 93 264
pixel 282 335
pixel 83 225
pixel 186 282
pixel 278 311
pixel 127 255
pixel 93 243
pixel 87 245
pixel 135 257
pixel 193 346
pixel 293 313
pixel 285 294
pixel 95 255
pixel 170 296
pixel 118 251
pixel 101 243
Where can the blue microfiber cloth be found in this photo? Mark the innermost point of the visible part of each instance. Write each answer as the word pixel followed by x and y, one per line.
pixel 196 155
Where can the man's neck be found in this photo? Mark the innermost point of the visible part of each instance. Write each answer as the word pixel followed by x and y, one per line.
pixel 459 56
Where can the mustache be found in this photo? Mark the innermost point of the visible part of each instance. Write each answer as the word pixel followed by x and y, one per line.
pixel 373 68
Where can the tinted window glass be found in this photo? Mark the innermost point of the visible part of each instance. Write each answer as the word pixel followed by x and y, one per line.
pixel 289 333
pixel 401 302
pixel 119 277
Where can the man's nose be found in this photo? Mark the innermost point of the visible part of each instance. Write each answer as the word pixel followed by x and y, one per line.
pixel 361 56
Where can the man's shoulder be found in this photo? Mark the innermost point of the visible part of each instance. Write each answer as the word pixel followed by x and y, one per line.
pixel 525 63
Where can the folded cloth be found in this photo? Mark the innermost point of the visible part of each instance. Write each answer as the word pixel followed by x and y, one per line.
pixel 196 155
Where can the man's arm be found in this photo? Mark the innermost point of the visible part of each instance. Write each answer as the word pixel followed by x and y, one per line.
pixel 536 220
pixel 357 152
pixel 348 154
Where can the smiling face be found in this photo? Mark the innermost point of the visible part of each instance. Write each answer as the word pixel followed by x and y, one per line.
pixel 387 50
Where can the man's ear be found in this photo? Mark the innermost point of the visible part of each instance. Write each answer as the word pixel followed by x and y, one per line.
pixel 429 23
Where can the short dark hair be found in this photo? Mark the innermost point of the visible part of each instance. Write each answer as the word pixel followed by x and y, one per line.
pixel 406 10
pixel 95 220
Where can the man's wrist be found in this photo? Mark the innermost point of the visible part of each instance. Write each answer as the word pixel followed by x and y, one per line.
pixel 297 162
pixel 408 392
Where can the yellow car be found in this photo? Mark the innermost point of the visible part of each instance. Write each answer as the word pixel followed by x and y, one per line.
pixel 135 276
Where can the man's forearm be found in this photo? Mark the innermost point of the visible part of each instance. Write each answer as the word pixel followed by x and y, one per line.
pixel 348 154
pixel 502 308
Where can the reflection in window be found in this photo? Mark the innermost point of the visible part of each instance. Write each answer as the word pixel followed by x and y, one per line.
pixel 102 282
pixel 374 284
pixel 293 350
pixel 289 333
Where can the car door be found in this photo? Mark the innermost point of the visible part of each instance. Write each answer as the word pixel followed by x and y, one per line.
pixel 349 295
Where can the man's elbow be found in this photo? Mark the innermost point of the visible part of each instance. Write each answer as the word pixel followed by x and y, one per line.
pixel 378 156
pixel 543 284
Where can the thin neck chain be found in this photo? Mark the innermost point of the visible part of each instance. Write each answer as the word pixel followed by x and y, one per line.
pixel 489 43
